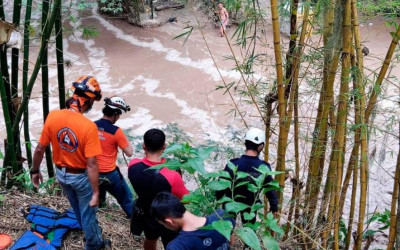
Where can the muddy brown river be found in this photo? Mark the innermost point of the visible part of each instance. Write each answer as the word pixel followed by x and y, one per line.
pixel 165 82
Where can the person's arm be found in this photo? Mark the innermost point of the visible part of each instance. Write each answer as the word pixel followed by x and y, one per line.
pixel 178 188
pixel 128 150
pixel 37 160
pixel 123 143
pixel 271 195
pixel 93 174
pixel 227 16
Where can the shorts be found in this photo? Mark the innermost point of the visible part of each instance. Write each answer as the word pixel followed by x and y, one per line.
pixel 153 230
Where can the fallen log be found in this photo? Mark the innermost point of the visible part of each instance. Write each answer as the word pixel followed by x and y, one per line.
pixel 169 6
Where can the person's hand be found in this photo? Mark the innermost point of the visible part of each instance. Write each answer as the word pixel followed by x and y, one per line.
pixel 94 202
pixel 37 179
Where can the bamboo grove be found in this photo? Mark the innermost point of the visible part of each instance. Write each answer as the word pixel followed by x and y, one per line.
pixel 336 156
pixel 15 104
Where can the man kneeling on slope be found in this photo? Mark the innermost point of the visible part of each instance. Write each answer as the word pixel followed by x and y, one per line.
pixel 112 138
pixel 172 214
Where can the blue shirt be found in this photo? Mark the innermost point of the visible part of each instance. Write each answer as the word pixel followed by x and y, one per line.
pixel 202 238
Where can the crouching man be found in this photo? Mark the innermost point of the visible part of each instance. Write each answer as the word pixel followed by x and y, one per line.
pixel 172 214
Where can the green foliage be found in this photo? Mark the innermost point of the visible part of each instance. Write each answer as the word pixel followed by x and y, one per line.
pixel 249 237
pixel 1 155
pixel 372 8
pixel 383 220
pixel 50 186
pixel 187 32
pixel 2 199
pixel 202 201
pixel 24 180
pixel 111 6
pixel 89 31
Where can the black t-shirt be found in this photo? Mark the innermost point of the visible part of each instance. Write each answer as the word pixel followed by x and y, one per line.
pixel 249 165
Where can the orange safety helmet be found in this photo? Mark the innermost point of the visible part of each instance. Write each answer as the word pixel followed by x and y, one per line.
pixel 87 86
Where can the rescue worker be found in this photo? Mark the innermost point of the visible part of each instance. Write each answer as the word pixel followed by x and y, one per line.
pixel 75 145
pixel 249 163
pixel 111 138
pixel 147 183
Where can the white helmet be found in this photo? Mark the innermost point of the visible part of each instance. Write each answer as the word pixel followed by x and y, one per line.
pixel 117 103
pixel 255 135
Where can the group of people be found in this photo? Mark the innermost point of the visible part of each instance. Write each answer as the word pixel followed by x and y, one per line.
pixel 85 154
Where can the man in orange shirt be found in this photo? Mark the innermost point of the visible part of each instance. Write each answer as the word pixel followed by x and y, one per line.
pixel 75 146
pixel 112 138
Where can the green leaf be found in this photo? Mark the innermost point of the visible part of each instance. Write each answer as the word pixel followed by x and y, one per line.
pixel 223 227
pixel 273 185
pixel 232 166
pixel 241 175
pixel 270 243
pixel 242 184
pixel 173 165
pixel 197 164
pixel 186 33
pixel 173 148
pixel 219 185
pixel 248 216
pixel 256 207
pixel 1 155
pixel 252 188
pixel 249 237
pixel 205 152
pixel 272 223
pixel 235 207
pixel 224 200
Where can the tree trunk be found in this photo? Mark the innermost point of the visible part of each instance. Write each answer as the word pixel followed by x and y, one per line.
pixel 133 7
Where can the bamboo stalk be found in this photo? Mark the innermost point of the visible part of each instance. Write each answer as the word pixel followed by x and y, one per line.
pixel 45 38
pixel 395 197
pixel 292 46
pixel 15 54
pixel 10 134
pixel 2 14
pixel 45 85
pixel 25 80
pixel 398 198
pixel 281 97
pixel 353 166
pixel 341 123
pixel 382 73
pixel 321 144
pixel 60 59
pixel 317 157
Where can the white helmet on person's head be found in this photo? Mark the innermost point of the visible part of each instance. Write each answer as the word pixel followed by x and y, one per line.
pixel 255 135
pixel 117 102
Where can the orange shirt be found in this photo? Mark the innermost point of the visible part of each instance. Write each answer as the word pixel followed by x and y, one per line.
pixel 73 138
pixel 111 137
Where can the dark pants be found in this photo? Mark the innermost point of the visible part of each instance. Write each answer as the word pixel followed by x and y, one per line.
pixel 114 183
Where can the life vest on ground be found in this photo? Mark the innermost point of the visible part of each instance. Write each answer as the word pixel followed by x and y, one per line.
pixel 33 241
pixel 50 224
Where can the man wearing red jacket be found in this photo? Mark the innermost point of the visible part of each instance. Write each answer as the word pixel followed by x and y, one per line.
pixel 148 182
